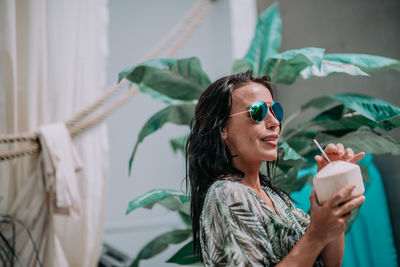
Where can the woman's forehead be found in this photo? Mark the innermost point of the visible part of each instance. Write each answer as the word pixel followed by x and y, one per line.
pixel 250 93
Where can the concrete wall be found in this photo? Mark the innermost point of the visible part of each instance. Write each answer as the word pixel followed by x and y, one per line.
pixel 359 26
pixel 135 28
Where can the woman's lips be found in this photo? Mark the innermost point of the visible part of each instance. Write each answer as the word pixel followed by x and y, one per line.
pixel 271 139
pixel 273 143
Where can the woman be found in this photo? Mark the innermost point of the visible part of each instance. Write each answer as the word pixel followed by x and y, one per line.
pixel 239 218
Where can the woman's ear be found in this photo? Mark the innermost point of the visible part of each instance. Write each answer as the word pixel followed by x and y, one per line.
pixel 224 134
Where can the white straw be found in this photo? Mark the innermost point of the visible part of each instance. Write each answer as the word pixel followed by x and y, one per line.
pixel 322 151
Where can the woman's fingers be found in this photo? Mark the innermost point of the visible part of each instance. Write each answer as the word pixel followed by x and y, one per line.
pixel 331 148
pixel 346 216
pixel 335 152
pixel 312 200
pixel 358 157
pixel 338 152
pixel 340 148
pixel 350 205
pixel 349 154
pixel 334 149
pixel 320 160
pixel 341 196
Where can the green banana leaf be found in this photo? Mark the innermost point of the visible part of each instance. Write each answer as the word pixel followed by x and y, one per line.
pixel 335 113
pixel 288 180
pixel 171 199
pixel 288 153
pixel 178 143
pixel 185 255
pixel 185 217
pixel 363 140
pixel 180 114
pixel 240 65
pixel 352 64
pixel 158 96
pixel 286 67
pixel 337 118
pixel 329 67
pixel 288 157
pixel 267 39
pixel 367 63
pixel 161 243
pixel 300 140
pixel 289 163
pixel 181 79
pixel 364 173
pixel 287 134
pixel 374 109
pixel 349 222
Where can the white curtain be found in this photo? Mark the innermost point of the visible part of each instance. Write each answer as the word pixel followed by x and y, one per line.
pixel 52 64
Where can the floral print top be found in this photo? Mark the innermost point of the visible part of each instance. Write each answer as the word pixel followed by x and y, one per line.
pixel 237 228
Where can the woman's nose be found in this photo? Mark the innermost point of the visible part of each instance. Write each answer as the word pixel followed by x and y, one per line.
pixel 271 121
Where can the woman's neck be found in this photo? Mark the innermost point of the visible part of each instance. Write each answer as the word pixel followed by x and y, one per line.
pixel 251 174
pixel 253 182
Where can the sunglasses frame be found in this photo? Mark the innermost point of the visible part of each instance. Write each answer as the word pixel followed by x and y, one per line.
pixel 269 107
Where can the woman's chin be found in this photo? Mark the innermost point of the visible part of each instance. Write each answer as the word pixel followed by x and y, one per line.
pixel 271 156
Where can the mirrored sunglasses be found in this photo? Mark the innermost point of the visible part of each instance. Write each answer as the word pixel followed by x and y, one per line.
pixel 259 110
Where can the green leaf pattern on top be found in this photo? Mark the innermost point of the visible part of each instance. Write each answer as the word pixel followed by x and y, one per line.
pixel 179 79
pixel 287 66
pixel 266 41
pixel 239 229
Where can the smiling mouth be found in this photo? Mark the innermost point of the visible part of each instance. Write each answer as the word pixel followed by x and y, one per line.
pixel 269 139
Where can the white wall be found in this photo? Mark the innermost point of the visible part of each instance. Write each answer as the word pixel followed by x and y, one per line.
pixel 135 28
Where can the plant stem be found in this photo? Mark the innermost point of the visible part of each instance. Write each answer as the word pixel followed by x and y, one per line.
pixel 288 120
pixel 299 130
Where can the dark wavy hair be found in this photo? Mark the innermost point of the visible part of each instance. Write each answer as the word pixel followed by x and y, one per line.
pixel 207 157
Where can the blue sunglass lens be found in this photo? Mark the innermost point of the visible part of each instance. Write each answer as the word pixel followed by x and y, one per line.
pixel 259 110
pixel 278 110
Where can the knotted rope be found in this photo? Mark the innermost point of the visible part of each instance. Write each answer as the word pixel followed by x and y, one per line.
pixel 174 39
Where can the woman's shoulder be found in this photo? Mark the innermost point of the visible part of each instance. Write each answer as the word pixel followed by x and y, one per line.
pixel 222 196
pixel 227 191
pixel 222 187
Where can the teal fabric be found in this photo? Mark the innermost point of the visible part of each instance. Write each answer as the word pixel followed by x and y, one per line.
pixel 370 240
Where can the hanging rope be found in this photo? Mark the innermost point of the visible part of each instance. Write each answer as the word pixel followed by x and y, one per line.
pixel 87 125
pixel 33 137
pixel 176 32
pixel 175 38
pixel 196 22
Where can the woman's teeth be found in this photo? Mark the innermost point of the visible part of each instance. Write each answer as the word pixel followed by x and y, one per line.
pixel 268 139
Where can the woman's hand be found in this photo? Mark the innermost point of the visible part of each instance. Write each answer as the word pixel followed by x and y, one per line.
pixel 328 221
pixel 337 152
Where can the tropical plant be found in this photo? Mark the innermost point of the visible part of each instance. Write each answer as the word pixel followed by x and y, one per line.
pixel 10 227
pixel 351 119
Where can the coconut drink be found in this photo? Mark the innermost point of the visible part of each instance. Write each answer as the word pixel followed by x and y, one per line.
pixel 336 175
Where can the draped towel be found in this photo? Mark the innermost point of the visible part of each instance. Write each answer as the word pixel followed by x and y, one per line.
pixel 60 163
